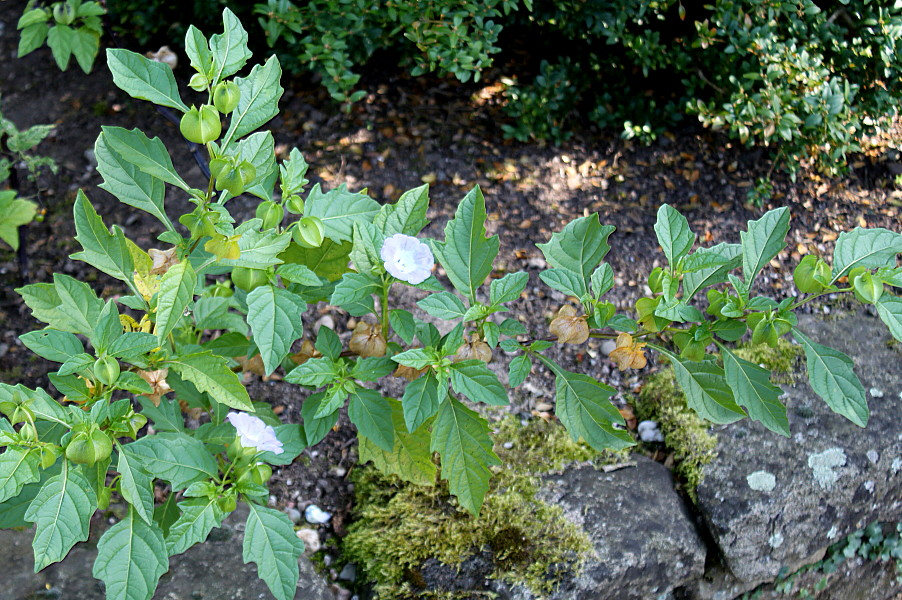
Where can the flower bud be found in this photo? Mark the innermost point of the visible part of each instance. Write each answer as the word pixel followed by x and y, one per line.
pixel 226 96
pixel 258 474
pixel 309 233
pixel 219 166
pixel 106 370
pixel 63 13
pixel 295 205
pixel 88 448
pixel 367 340
pixel 569 328
pixel 475 349
pixel 270 213
pixel 201 125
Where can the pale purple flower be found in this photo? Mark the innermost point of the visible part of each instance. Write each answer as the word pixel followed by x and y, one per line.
pixel 254 433
pixel 407 258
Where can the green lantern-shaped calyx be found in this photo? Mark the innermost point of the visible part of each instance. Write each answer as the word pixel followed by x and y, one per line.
pixel 106 370
pixel 198 82
pixel 89 446
pixel 295 205
pixel 868 288
pixel 309 232
pixel 270 213
pixel 232 176
pixel 248 279
pixel 226 96
pixel 812 275
pixel 201 125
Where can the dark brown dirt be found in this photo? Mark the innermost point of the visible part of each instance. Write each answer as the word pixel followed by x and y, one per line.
pixel 405 132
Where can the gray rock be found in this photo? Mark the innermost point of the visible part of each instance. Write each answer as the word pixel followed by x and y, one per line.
pixel 827 482
pixel 210 571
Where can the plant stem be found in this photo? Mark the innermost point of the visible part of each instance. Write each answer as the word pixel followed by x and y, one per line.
pixel 386 286
pixel 824 293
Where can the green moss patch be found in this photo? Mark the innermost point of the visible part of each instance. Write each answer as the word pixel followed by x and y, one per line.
pixel 399 526
pixel 783 361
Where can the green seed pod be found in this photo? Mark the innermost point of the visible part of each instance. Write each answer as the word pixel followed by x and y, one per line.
pixel 219 166
pixel 867 288
pixel 201 126
pixel 49 454
pixel 258 474
pixel 248 279
pixel 63 13
pixel 271 214
pixel 309 232
pixel 106 370
pixel 230 180
pixel 226 97
pixel 198 82
pixel 810 275
pixel 655 280
pixel 227 503
pixel 295 205
pixel 88 448
pixel 248 173
pixel 766 333
pixel 222 289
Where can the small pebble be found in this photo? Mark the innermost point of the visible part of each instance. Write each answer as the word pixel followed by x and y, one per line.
pixel 316 515
pixel 327 560
pixel 876 393
pixel 348 572
pixel 339 471
pixel 649 432
pixel 607 347
pixel 508 445
pixel 873 456
pixel 326 320
pixel 544 406
pixel 310 538
pixel 293 514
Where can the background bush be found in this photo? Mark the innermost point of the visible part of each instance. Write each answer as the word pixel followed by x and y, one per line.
pixel 805 78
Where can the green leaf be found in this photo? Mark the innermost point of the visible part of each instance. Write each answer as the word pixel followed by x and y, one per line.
pixel 149 155
pixel 41 404
pixel 316 428
pixel 259 102
pixel 33 37
pixel 371 413
pixel 145 79
pixel 85 45
pixel 12 512
pixel 60 38
pixel 136 484
pixel 763 240
pixel 274 315
pixel 410 458
pixel 584 408
pixel 696 279
pixel 462 439
pixel 271 543
pixel 199 517
pixel 407 215
pixel 330 260
pixel 476 381
pixel 565 281
pixel 58 346
pixel 18 466
pixel 467 254
pixel 421 399
pixel 368 242
pixel 339 209
pixel 752 389
pixel 101 249
pixel 259 150
pixel 706 390
pixel 129 184
pixel 868 248
pixel 292 172
pixel 832 377
pixel 580 246
pixel 176 293
pixel 293 443
pixel 602 280
pixel 131 557
pixel 416 358
pixel 443 305
pixel 403 324
pixel 354 288
pixel 372 368
pixel 61 513
pixel 133 344
pixel 890 310
pixel 259 249
pixel 229 48
pixel 674 234
pixel 315 373
pixel 519 370
pixel 300 274
pixel 175 457
pixel 198 51
pixel 210 373
pixel 508 288
pixel 16 212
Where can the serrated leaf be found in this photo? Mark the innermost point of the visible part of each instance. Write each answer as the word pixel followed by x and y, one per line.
pixel 198 50
pixel 135 484
pixel 763 240
pixel 328 343
pixel 259 249
pixel 602 280
pixel 229 48
pixel 339 209
pixel 294 441
pixel 18 467
pixel 694 280
pixel 410 458
pixel 565 281
pixel 16 212
pixel 132 344
pixel 210 373
pixel 274 315
pixel 407 215
pixel 259 101
pixel 149 155
pixel 507 288
pixel 519 370
pixel 443 305
pixel 416 358
pixel 58 346
pixel 315 372
pixel 462 439
pixel 176 293
pixel 259 150
pixel 271 543
pixel 584 408
pixel 85 45
pixel 61 513
pixel 476 381
pixel 33 37
pixel 402 322
pixel 421 400
pixel 67 304
pixel 674 234
pixel 890 310
pixel 131 557
pixel 300 274
pixel 145 79
pixel 580 246
pixel 60 38
pixel 316 428
pixel 199 517
pixel 752 389
pixel 372 368
pixel 868 248
pixel 12 511
pixel 467 254
pixel 367 244
pixel 706 390
pixel 354 288
pixel 106 251
pixel 832 377
pixel 330 260
pixel 370 412
pixel 175 457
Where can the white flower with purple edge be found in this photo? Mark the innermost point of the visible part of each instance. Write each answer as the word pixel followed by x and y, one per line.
pixel 407 258
pixel 254 433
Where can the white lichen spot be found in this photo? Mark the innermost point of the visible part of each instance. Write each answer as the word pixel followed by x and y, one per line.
pixel 872 456
pixel 776 540
pixel 823 465
pixel 897 464
pixel 876 392
pixel 834 531
pixel 869 486
pixel 761 481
